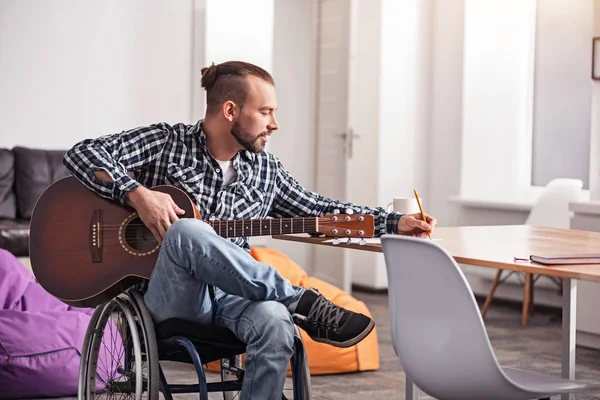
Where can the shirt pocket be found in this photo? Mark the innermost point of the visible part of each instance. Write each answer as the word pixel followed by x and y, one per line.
pixel 248 202
pixel 187 178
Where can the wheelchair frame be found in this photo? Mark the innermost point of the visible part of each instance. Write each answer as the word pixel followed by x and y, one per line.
pixel 136 324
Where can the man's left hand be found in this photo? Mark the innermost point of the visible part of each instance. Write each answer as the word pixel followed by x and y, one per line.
pixel 413 225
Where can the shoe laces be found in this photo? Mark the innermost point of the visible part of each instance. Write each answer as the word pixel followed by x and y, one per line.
pixel 326 314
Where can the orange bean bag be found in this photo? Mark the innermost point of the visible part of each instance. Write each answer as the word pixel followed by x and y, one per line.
pixel 323 358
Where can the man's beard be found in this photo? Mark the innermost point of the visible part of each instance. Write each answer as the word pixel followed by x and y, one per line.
pixel 246 139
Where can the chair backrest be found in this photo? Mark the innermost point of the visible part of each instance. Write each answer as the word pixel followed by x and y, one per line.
pixel 436 326
pixel 552 208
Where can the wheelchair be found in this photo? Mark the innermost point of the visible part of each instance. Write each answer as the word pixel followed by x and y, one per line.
pixel 123 348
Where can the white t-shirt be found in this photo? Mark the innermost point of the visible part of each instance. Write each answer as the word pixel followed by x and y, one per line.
pixel 227 172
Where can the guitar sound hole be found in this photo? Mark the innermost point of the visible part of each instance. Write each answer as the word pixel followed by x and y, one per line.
pixel 138 236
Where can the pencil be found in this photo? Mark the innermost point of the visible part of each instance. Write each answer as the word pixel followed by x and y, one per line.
pixel 422 213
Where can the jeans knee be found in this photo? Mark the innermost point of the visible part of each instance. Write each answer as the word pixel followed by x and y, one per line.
pixel 186 228
pixel 275 326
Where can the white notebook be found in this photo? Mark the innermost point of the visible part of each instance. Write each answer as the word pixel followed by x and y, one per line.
pixel 554 259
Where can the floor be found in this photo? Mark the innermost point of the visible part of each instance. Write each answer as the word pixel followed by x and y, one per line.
pixel 535 347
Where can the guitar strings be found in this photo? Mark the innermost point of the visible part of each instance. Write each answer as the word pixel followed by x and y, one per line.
pixel 245 221
pixel 111 227
pixel 133 238
pixel 115 240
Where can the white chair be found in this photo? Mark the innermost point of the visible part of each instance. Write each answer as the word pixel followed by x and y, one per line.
pixel 439 335
pixel 551 210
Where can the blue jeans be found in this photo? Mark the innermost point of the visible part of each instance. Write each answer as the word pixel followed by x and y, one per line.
pixel 251 299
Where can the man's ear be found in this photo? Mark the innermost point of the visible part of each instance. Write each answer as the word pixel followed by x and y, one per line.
pixel 230 110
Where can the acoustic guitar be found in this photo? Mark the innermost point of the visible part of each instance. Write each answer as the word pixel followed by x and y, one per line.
pixel 85 249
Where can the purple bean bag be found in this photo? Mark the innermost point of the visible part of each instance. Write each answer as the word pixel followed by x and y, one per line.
pixel 40 337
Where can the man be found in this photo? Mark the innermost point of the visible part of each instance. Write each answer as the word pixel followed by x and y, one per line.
pixel 220 163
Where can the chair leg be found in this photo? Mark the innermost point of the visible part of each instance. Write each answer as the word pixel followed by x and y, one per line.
pixel 531 297
pixel 488 300
pixel 560 290
pixel 527 298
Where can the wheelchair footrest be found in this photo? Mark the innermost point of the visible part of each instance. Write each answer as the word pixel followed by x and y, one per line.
pixel 225 386
pixel 238 372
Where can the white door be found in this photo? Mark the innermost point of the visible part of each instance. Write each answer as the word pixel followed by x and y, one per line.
pixel 347 117
pixel 333 36
pixel 362 164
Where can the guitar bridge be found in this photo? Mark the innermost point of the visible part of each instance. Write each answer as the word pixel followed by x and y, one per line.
pixel 96 238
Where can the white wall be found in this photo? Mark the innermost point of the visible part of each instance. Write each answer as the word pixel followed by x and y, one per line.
pixel 595 121
pixel 405 82
pixel 561 125
pixel 447 124
pixel 294 74
pixel 71 70
pixel 198 58
pixel 446 110
pixel 498 67
pixel 240 30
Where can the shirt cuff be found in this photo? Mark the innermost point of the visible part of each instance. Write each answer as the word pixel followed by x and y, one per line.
pixel 122 186
pixel 391 222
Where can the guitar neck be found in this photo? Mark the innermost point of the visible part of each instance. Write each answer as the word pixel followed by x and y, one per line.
pixel 263 227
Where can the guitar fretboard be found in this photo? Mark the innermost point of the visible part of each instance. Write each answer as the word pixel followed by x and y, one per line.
pixel 262 227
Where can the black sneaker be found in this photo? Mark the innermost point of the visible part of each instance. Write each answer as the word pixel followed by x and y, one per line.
pixel 327 323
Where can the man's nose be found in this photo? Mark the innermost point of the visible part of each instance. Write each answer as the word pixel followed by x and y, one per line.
pixel 273 126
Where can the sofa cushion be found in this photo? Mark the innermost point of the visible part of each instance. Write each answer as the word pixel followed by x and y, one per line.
pixel 8 201
pixel 35 170
pixel 14 236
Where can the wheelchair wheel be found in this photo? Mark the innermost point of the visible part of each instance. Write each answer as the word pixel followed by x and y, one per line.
pixel 151 368
pixel 118 353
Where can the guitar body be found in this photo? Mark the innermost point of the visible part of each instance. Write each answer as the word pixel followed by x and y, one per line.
pixel 74 233
pixel 85 250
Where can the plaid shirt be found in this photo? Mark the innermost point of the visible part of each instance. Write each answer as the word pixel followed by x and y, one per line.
pixel 176 155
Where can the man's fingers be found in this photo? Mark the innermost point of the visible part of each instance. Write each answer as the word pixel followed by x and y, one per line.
pixel 432 221
pixel 161 231
pixel 172 216
pixel 156 234
pixel 177 209
pixel 166 224
pixel 415 223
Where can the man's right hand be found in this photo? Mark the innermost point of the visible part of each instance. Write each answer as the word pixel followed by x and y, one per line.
pixel 157 210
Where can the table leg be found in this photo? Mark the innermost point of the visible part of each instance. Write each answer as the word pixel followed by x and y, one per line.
pixel 569 325
pixel 411 390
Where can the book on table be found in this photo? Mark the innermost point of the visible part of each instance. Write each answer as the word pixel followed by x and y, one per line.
pixel 553 259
